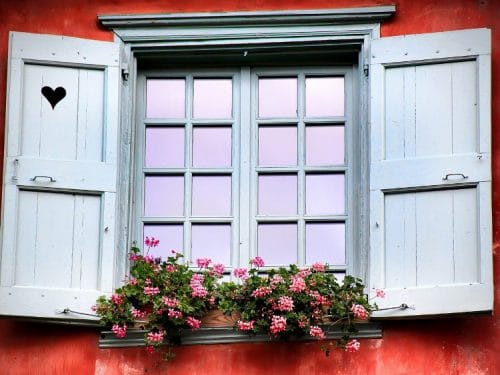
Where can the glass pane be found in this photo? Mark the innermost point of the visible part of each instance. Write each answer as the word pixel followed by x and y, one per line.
pixel 211 147
pixel 325 242
pixel 213 98
pixel 171 238
pixel 324 96
pixel 277 145
pixel 211 241
pixel 164 147
pixel 325 194
pixel 211 196
pixel 164 196
pixel 277 244
pixel 277 195
pixel 165 98
pixel 278 97
pixel 324 145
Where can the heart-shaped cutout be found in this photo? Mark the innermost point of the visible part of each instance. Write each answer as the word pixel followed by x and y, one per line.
pixel 53 96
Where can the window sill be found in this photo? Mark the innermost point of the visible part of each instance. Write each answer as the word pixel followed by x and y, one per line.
pixel 226 335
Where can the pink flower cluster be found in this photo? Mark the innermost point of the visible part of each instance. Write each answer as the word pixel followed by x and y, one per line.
pixel 316 331
pixel 155 337
pixel 319 300
pixel 245 326
pixel 304 272
pixel 117 299
pixel 193 322
pixel 241 273
pixel 170 268
pixel 218 269
pixel 298 284
pixel 318 267
pixel 151 241
pixel 380 293
pixel 138 314
pixel 285 303
pixel 257 262
pixel 119 331
pixel 261 292
pixel 174 314
pixel 278 324
pixel 151 290
pixel 170 302
pixel 352 346
pixel 359 312
pixel 196 285
pixel 203 262
pixel 275 280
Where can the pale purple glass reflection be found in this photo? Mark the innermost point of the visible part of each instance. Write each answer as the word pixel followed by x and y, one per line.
pixel 211 241
pixel 211 196
pixel 277 195
pixel 211 147
pixel 277 145
pixel 277 244
pixel 325 243
pixel 325 194
pixel 164 147
pixel 324 96
pixel 165 98
pixel 278 97
pixel 213 98
pixel 171 237
pixel 324 145
pixel 164 196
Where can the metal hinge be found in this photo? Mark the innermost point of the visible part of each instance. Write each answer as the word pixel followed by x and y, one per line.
pixel 366 70
pixel 125 72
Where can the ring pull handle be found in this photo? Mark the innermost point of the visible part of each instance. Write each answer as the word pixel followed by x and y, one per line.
pixel 34 178
pixel 445 178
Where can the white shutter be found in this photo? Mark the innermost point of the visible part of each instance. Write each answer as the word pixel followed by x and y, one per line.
pixel 59 184
pixel 430 174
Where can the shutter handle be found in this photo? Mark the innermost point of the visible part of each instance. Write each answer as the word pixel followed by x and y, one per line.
pixel 49 177
pixel 455 174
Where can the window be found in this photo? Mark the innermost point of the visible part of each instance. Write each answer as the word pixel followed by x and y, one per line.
pixel 416 173
pixel 247 153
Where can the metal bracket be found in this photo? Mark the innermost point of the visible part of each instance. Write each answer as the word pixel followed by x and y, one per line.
pixel 34 178
pixel 455 174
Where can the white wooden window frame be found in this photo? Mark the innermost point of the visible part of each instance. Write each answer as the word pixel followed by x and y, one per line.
pixel 245 170
pixel 251 31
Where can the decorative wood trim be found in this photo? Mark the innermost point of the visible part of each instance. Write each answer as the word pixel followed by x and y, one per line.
pixel 225 335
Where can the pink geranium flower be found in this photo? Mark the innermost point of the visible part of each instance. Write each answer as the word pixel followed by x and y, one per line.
pixel 193 322
pixel 257 262
pixel 245 326
pixel 317 332
pixel 119 331
pixel 352 346
pixel 380 293
pixel 285 303
pixel 241 273
pixel 278 324
pixel 318 267
pixel 203 262
pixel 359 312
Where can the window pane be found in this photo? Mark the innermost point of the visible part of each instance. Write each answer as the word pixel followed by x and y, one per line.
pixel 164 196
pixel 164 147
pixel 211 196
pixel 325 194
pixel 324 96
pixel 165 98
pixel 277 243
pixel 213 98
pixel 211 147
pixel 325 242
pixel 277 145
pixel 324 145
pixel 211 241
pixel 277 195
pixel 278 97
pixel 171 238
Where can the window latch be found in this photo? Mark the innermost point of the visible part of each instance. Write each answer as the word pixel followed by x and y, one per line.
pixel 366 70
pixel 125 72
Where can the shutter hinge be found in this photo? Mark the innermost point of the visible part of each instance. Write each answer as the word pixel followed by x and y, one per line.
pixel 125 72
pixel 366 70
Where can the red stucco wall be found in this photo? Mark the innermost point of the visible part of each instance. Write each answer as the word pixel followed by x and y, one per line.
pixel 469 345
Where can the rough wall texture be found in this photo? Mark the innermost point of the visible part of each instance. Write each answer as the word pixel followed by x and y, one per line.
pixel 468 345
